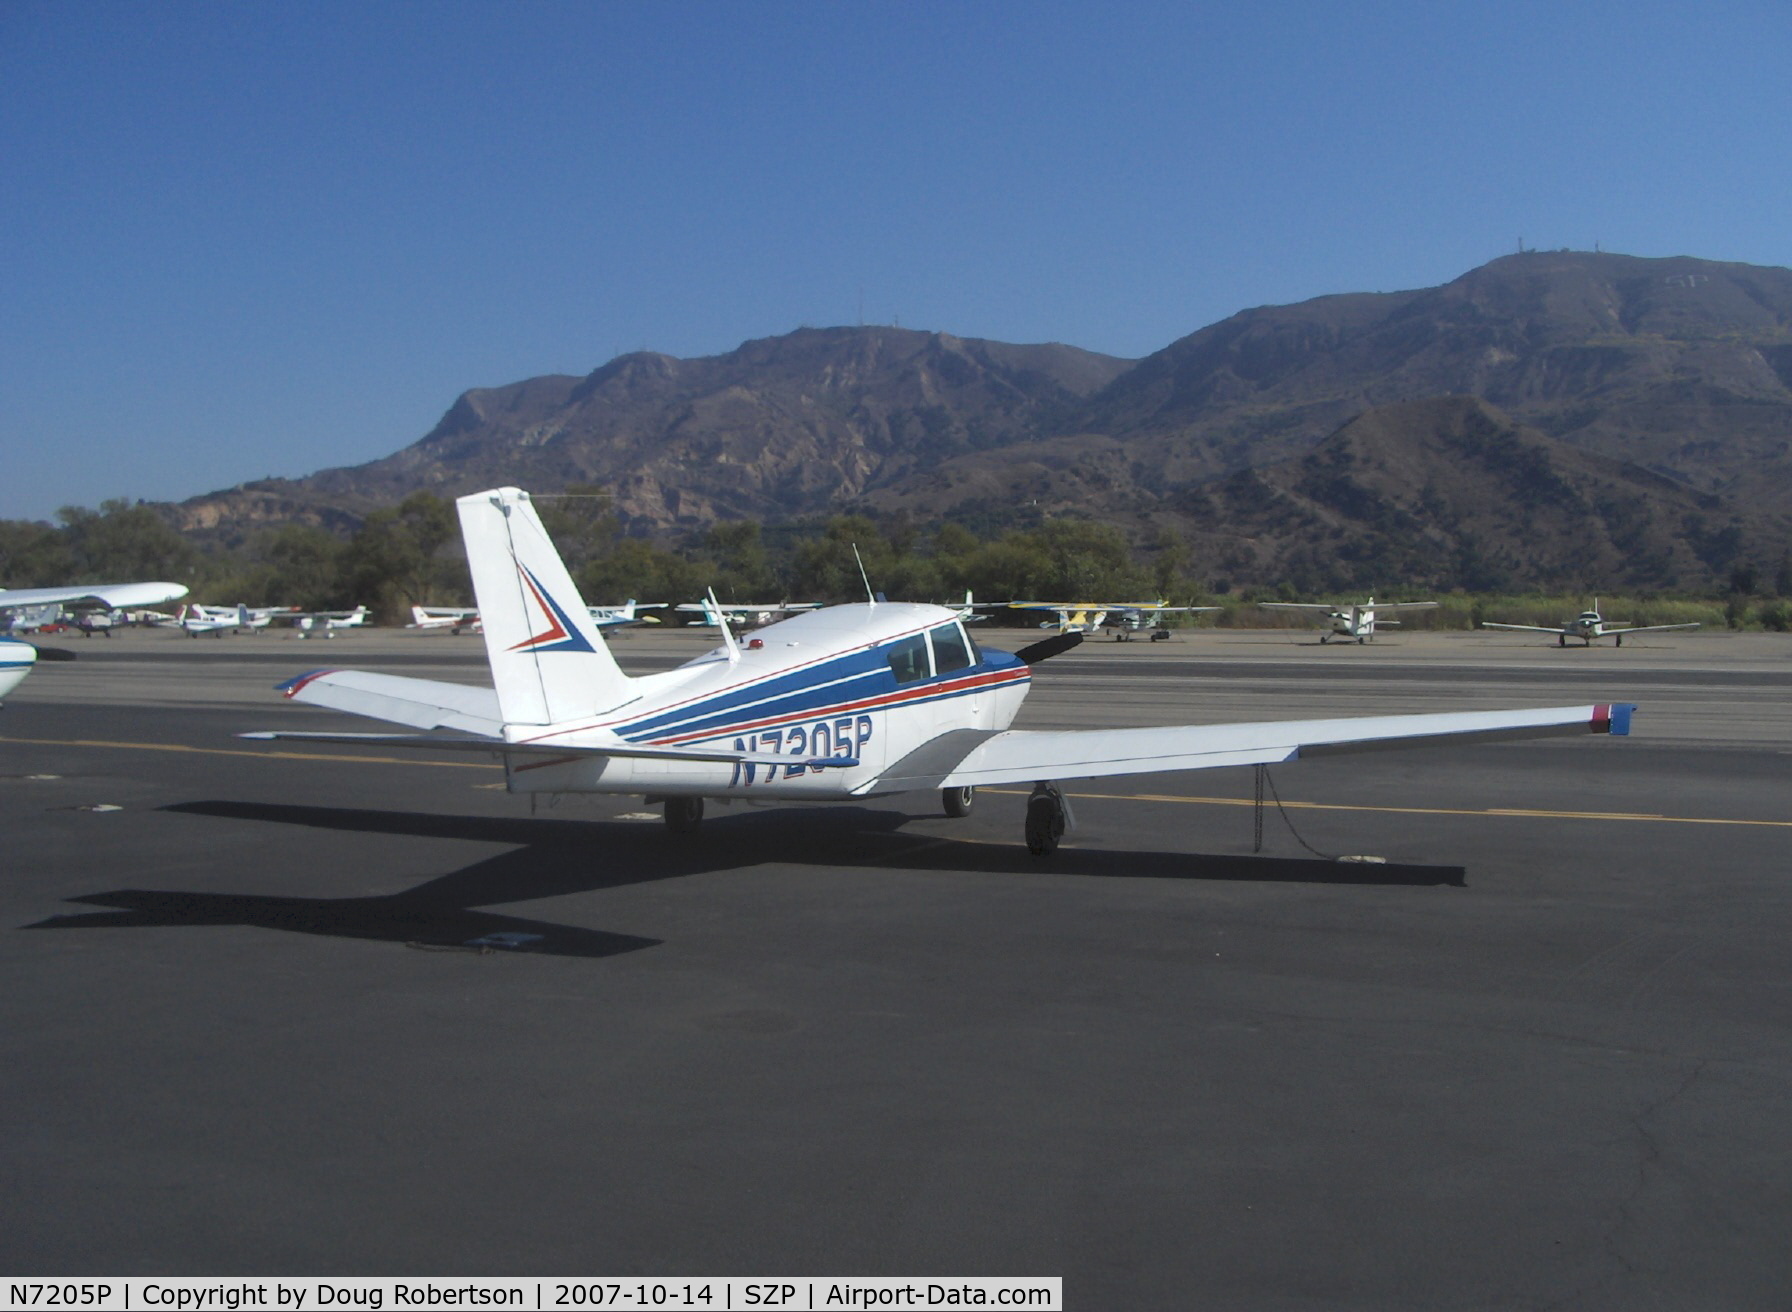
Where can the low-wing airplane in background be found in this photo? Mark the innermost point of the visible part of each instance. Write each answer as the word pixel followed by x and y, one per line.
pixel 1121 618
pixel 1348 619
pixel 18 658
pixel 841 703
pixel 1588 625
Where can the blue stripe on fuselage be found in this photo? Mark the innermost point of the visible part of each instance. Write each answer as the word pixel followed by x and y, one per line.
pixel 851 677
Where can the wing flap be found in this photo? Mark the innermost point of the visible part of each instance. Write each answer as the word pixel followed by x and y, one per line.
pixel 498 747
pixel 1021 756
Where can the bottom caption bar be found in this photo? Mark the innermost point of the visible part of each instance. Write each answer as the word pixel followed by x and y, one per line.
pixel 707 1294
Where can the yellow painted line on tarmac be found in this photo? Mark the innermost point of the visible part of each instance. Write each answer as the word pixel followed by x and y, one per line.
pixel 1513 812
pixel 261 755
pixel 1644 817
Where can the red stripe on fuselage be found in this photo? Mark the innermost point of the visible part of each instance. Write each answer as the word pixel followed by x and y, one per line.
pixel 993 679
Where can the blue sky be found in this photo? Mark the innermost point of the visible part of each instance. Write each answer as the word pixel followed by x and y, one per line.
pixel 243 239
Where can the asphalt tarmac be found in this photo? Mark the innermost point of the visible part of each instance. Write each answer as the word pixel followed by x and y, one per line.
pixel 1538 1056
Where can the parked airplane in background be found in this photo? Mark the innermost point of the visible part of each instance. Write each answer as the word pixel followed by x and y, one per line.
pixel 745 614
pixel 195 619
pixel 327 622
pixel 967 613
pixel 459 619
pixel 1588 625
pixel 18 658
pixel 1121 618
pixel 617 617
pixel 1349 620
pixel 848 702
pixel 95 596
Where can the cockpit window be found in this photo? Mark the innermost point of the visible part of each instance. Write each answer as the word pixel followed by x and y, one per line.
pixel 951 649
pixel 908 659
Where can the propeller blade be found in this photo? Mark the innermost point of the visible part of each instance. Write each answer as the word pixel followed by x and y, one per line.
pixel 1044 651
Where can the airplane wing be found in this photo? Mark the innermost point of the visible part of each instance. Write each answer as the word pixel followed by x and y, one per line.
pixel 113 596
pixel 1653 628
pixel 1325 607
pixel 1022 756
pixel 1521 628
pixel 1403 605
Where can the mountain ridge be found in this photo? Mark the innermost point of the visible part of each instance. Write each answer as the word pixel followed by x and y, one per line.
pixel 1679 367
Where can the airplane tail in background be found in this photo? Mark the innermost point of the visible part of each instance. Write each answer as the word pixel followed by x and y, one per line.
pixel 548 663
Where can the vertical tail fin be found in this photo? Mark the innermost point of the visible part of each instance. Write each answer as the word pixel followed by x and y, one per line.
pixel 548 663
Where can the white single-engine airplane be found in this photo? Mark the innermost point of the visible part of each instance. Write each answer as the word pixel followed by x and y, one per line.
pixel 1123 618
pixel 1349 620
pixel 327 622
pixel 17 658
pixel 846 702
pixel 623 616
pixel 743 615
pixel 1588 625
pixel 195 619
pixel 455 618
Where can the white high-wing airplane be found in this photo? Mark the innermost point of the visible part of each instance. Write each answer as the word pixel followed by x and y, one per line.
pixel 18 658
pixel 1588 625
pixel 457 618
pixel 327 622
pixel 745 614
pixel 618 617
pixel 195 619
pixel 1122 618
pixel 98 596
pixel 1349 620
pixel 846 702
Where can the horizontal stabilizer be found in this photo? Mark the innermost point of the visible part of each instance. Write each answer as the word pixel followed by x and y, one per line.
pixel 419 703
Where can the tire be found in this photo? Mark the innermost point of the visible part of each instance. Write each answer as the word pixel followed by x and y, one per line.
pixel 684 814
pixel 958 802
pixel 1045 824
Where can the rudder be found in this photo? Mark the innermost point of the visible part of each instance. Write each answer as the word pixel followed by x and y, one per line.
pixel 548 663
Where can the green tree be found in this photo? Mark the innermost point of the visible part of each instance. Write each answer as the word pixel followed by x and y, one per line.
pixel 34 555
pixel 121 542
pixel 394 561
pixel 305 568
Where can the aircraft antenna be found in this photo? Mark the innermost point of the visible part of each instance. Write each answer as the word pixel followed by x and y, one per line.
pixel 714 608
pixel 870 596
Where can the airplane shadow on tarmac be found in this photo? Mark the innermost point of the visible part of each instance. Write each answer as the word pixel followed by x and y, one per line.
pixel 554 858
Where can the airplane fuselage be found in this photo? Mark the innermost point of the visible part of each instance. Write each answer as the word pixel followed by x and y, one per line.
pixel 872 684
pixel 1358 622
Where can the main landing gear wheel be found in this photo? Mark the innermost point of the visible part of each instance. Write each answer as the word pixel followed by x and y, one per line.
pixel 958 801
pixel 1045 819
pixel 1561 639
pixel 1324 638
pixel 684 814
